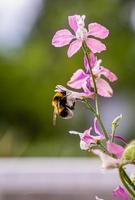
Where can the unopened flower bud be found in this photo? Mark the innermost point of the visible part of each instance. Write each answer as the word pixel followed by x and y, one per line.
pixel 129 154
pixel 116 121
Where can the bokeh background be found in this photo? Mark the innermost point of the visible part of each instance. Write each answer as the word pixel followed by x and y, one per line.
pixel 30 67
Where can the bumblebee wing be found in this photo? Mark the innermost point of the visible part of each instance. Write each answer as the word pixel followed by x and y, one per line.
pixel 70 114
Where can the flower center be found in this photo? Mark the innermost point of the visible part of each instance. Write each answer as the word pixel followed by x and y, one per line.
pixel 81 32
pixel 97 68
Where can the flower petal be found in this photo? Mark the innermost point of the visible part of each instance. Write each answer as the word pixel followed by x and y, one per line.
pixel 77 79
pixel 86 88
pixel 120 138
pixel 60 88
pixel 72 22
pixel 107 161
pixel 115 149
pixel 84 145
pixel 74 47
pixel 103 88
pixel 97 30
pixel 97 198
pixel 89 138
pixel 96 128
pixel 75 133
pixel 71 95
pixel 108 74
pixel 62 37
pixel 95 45
pixel 92 61
pixel 86 64
pixel 120 192
pixel 86 137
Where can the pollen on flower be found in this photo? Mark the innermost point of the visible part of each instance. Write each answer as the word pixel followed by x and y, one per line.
pixel 80 21
pixel 81 33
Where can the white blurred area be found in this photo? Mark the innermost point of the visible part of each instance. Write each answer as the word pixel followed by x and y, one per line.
pixel 55 179
pixel 17 18
pixel 132 16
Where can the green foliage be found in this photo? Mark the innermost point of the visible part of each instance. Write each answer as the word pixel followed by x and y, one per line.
pixel 129 154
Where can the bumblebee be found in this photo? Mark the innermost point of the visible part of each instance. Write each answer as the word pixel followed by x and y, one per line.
pixel 63 105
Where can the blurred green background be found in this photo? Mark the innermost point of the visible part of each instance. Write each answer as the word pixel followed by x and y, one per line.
pixel 30 67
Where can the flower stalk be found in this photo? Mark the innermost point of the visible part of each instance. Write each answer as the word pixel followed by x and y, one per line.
pixel 127 182
pixel 97 114
pixel 93 81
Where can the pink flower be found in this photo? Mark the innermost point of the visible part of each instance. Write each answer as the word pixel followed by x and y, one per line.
pixel 115 149
pixel 87 139
pixel 120 192
pixel 81 34
pixel 81 79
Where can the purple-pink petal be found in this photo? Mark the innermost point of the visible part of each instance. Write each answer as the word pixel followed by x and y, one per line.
pixel 115 149
pixel 86 137
pixel 72 22
pixel 93 59
pixel 120 192
pixel 77 79
pixel 120 139
pixel 103 88
pixel 99 135
pixel 73 95
pixel 108 74
pixel 95 45
pixel 74 47
pixel 96 127
pixel 97 30
pixel 86 88
pixel 86 64
pixel 62 37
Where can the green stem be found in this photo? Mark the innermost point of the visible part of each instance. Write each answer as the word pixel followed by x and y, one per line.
pixel 89 105
pixel 102 127
pixel 113 134
pixel 127 182
pixel 93 78
pixel 102 147
pixel 97 116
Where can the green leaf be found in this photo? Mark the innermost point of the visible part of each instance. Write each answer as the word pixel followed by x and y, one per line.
pixel 129 154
